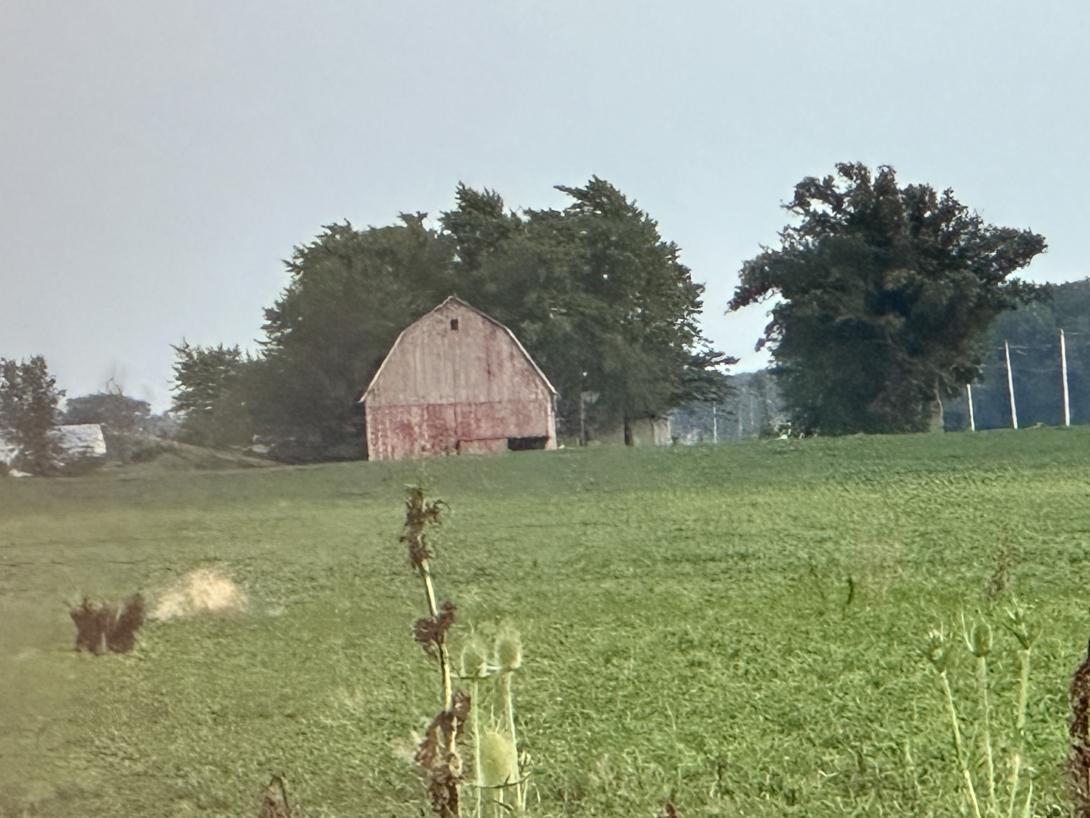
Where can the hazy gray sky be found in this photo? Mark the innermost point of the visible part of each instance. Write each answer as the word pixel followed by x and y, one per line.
pixel 157 160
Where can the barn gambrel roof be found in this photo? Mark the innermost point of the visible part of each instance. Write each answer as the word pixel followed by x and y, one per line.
pixel 453 299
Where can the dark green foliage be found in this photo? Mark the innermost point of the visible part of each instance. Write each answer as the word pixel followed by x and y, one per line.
pixel 351 292
pixel 599 299
pixel 751 406
pixel 1033 334
pixel 886 291
pixel 112 409
pixel 209 393
pixel 28 412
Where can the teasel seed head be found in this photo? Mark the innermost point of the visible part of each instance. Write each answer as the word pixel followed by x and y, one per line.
pixel 474 659
pixel 499 761
pixel 936 650
pixel 980 639
pixel 508 650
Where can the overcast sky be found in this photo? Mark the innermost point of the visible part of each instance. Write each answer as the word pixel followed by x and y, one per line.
pixel 158 160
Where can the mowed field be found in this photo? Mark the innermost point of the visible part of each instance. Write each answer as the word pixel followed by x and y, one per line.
pixel 739 628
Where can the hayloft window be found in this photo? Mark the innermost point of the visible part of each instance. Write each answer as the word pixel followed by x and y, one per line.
pixel 454 324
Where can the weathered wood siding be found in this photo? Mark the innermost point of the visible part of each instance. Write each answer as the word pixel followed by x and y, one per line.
pixel 443 390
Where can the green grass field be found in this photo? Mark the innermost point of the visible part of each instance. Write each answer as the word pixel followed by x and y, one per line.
pixel 739 628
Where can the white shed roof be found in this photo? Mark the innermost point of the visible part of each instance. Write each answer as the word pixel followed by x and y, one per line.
pixel 77 440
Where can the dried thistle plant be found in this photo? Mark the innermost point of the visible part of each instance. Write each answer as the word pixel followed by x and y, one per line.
pixel 99 627
pixel 430 632
pixel 421 515
pixel 1078 761
pixel 274 801
pixel 121 636
pixel 499 770
pixel 1000 581
pixel 437 757
pixel 91 621
pixel 437 754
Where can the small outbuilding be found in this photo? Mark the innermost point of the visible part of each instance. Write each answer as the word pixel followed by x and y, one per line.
pixel 457 381
pixel 76 442
pixel 81 440
pixel 653 431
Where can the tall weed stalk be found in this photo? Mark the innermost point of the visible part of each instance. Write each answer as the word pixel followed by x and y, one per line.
pixel 437 754
pixel 475 669
pixel 509 660
pixel 984 796
pixel 498 769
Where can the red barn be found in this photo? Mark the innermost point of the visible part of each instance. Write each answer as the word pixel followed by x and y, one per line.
pixel 457 381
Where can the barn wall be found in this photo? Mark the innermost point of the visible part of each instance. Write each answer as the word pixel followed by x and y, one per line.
pixel 477 363
pixel 444 390
pixel 410 430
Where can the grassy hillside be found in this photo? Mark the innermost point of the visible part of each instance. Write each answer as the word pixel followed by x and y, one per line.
pixel 739 628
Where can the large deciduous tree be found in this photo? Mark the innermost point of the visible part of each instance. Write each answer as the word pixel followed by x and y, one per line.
pixel 884 293
pixel 28 412
pixel 210 396
pixel 111 408
pixel 600 299
pixel 350 293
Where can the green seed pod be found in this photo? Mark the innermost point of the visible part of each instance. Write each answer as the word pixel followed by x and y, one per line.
pixel 508 650
pixel 936 650
pixel 474 659
pixel 980 641
pixel 499 760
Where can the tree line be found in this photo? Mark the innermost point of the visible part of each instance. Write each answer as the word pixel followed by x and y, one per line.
pixel 882 297
pixel 30 412
pixel 599 298
pixel 754 405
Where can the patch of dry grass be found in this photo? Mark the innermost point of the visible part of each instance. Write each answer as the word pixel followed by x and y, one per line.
pixel 201 591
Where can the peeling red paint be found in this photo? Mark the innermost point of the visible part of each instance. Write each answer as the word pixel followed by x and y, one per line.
pixel 456 382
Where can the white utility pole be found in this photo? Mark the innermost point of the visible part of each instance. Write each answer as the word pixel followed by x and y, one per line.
pixel 969 395
pixel 715 423
pixel 1010 386
pixel 1063 372
pixel 583 418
